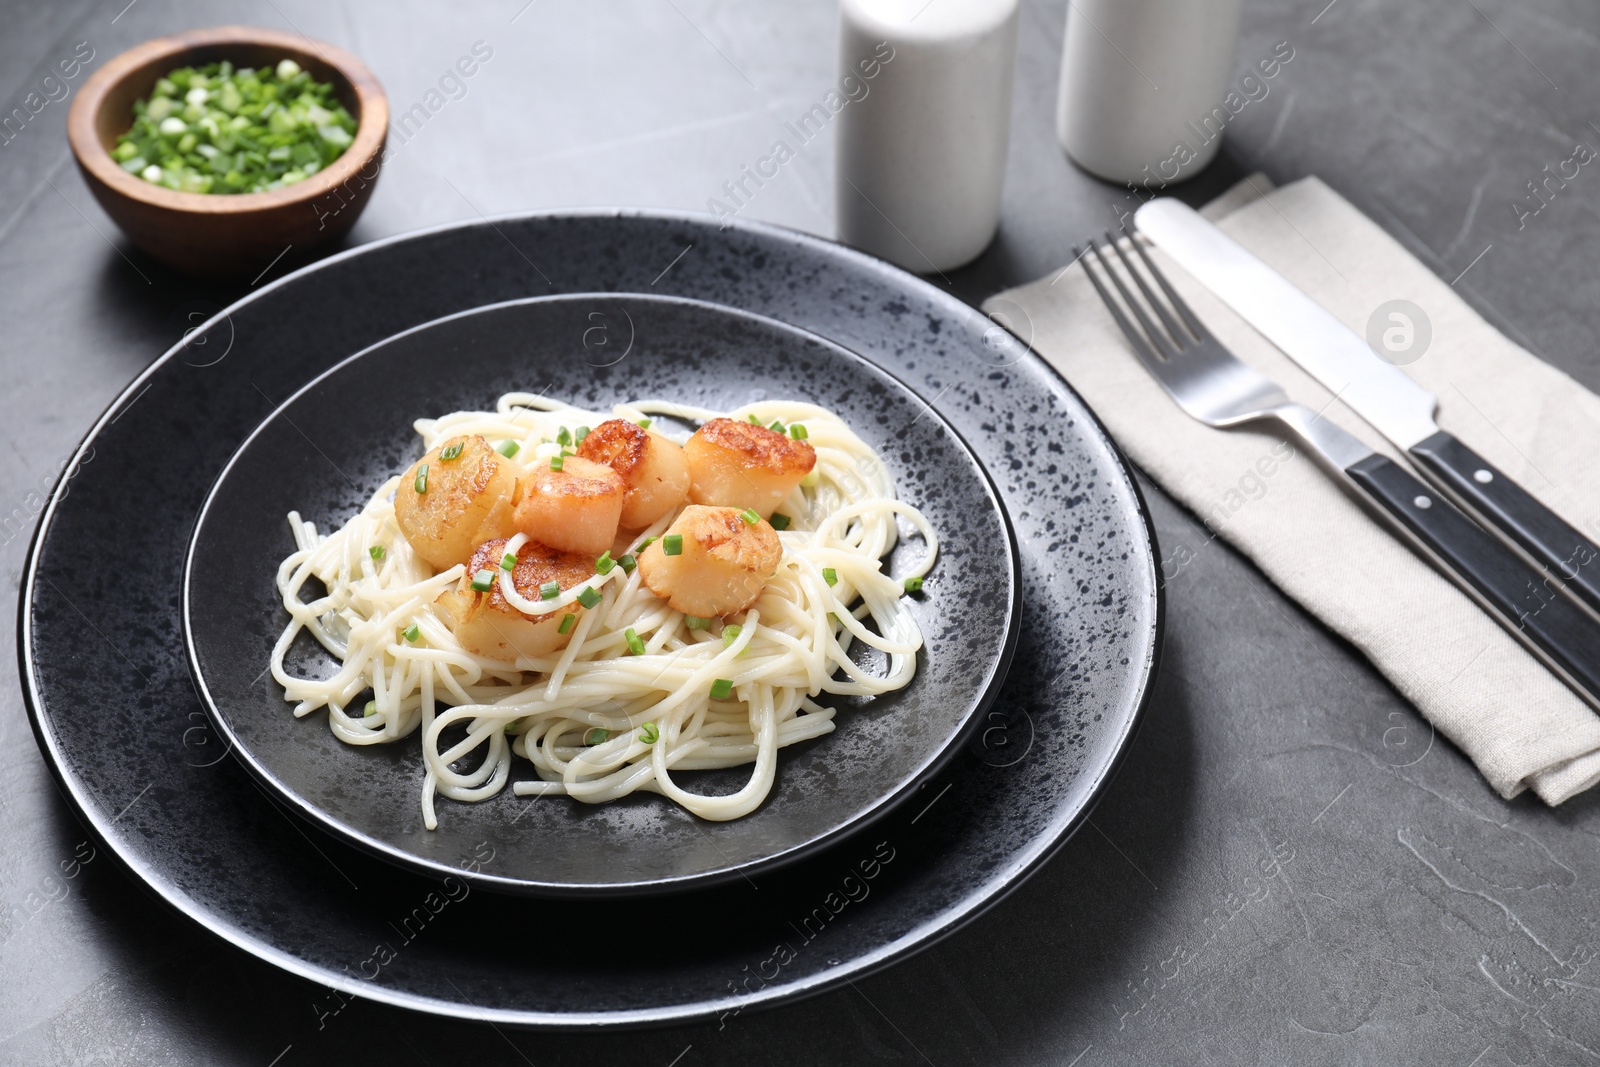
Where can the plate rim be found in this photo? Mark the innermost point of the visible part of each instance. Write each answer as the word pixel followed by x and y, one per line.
pixel 987 691
pixel 909 943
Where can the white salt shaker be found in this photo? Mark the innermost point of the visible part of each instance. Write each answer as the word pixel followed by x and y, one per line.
pixel 921 156
pixel 1139 81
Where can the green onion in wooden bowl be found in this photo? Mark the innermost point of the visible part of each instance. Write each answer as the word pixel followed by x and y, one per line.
pixel 218 128
pixel 162 128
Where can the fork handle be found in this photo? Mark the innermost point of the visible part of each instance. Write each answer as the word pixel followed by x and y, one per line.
pixel 1502 503
pixel 1564 636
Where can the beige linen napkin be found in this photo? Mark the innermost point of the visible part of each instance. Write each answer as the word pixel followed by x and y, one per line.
pixel 1521 726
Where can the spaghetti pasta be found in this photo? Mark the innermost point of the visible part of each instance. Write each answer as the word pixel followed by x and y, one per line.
pixel 598 719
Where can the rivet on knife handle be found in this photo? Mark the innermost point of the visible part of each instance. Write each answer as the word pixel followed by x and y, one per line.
pixel 1560 629
pixel 1538 531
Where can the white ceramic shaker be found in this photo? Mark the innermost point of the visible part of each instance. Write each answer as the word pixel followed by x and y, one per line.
pixel 1139 79
pixel 921 157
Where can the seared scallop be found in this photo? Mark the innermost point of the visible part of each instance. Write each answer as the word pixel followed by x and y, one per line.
pixel 653 469
pixel 488 626
pixel 574 509
pixel 742 465
pixel 459 495
pixel 711 561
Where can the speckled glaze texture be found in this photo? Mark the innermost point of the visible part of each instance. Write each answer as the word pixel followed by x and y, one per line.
pixel 325 456
pixel 121 721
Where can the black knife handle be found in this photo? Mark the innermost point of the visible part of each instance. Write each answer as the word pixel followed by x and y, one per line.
pixel 1540 532
pixel 1522 596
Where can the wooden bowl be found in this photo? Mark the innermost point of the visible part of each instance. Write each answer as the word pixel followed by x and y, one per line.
pixel 231 234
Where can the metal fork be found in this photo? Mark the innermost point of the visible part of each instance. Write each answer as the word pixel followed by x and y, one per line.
pixel 1211 384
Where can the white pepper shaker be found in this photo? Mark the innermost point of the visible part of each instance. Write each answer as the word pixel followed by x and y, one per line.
pixel 921 156
pixel 1141 83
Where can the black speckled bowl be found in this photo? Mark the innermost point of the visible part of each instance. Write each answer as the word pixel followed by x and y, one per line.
pixel 329 447
pixel 112 700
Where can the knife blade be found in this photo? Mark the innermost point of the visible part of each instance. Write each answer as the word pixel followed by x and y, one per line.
pixel 1381 393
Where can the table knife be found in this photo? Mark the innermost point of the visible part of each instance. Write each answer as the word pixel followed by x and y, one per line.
pixel 1379 392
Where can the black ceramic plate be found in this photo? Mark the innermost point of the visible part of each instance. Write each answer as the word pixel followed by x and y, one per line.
pixel 109 690
pixel 325 454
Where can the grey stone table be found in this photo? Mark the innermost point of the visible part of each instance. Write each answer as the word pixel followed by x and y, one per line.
pixel 1290 868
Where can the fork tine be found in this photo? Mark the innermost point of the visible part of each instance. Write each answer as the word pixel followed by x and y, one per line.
pixel 1199 331
pixel 1181 337
pixel 1157 338
pixel 1141 346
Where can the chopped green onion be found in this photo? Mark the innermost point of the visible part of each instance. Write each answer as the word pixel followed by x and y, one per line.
pixel 649 734
pixel 453 452
pixel 483 581
pixel 376 552
pixel 830 576
pixel 646 543
pixel 563 437
pixel 219 130
pixel 635 642
pixel 721 688
pixel 750 515
pixel 421 484
pixel 672 544
pixel 412 632
pixel 730 634
pixel 797 431
pixel 644 424
pixel 780 521
pixel 370 709
pixel 508 561
pixel 566 623
pixel 913 585
pixel 696 622
pixel 557 462
pixel 549 590
pixel 778 427
pixel 580 434
pixel 628 563
pixel 588 596
pixel 754 421
pixel 605 564
pixel 508 448
pixel 599 735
